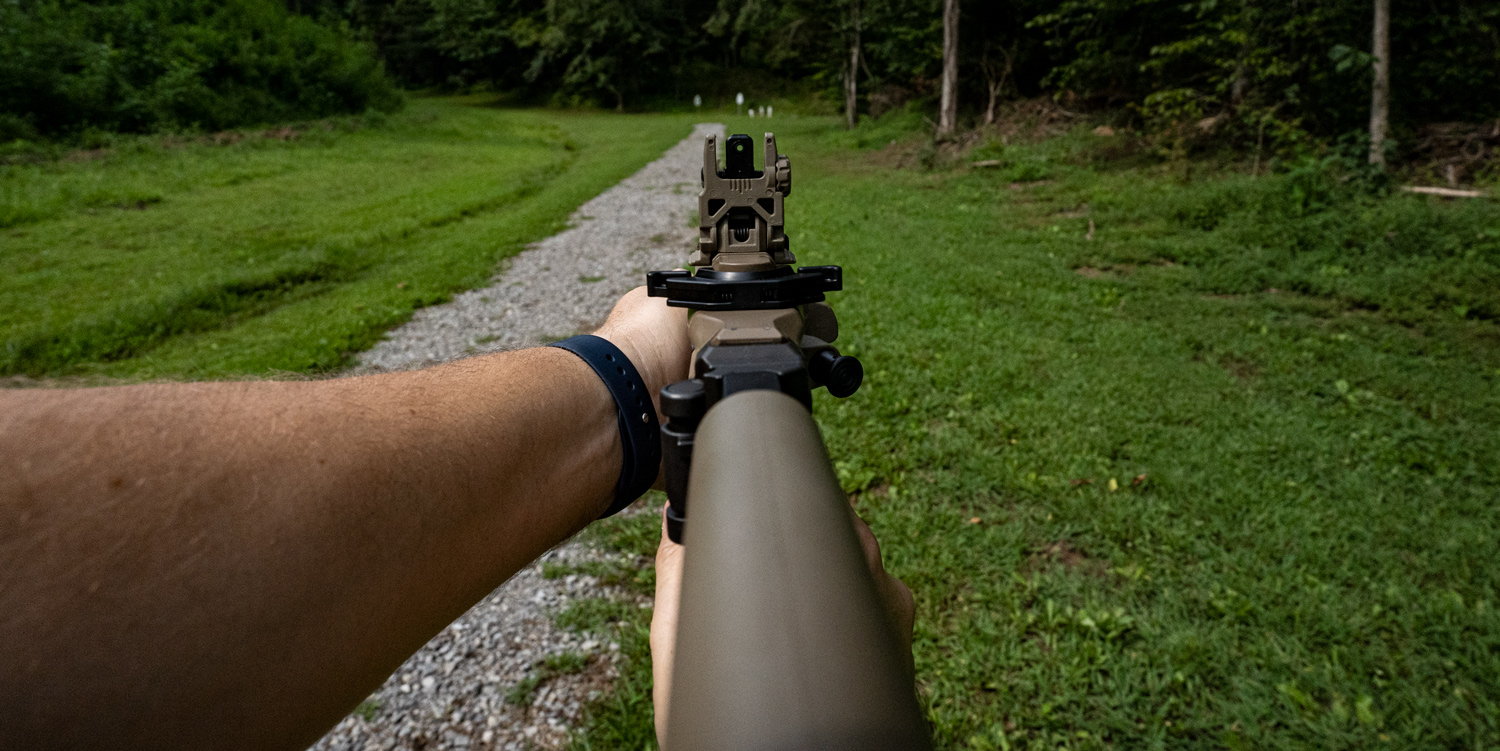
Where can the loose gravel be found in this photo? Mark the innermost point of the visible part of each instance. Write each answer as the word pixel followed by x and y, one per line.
pixel 565 284
pixel 466 687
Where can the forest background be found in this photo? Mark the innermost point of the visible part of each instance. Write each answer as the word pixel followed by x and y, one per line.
pixel 1275 77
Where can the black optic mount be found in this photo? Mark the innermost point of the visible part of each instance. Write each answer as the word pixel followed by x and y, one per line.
pixel 771 289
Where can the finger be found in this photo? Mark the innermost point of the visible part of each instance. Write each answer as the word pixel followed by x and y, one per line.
pixel 667 548
pixel 870 546
pixel 663 638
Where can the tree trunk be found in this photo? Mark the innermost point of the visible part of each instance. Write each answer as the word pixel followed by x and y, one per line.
pixel 851 73
pixel 1380 93
pixel 994 80
pixel 1241 84
pixel 948 113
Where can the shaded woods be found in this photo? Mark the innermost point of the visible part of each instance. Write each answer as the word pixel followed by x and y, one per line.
pixel 1252 73
pixel 1272 72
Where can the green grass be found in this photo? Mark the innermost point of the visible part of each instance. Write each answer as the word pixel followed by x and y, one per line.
pixel 367 710
pixel 622 718
pixel 1142 499
pixel 564 663
pixel 190 259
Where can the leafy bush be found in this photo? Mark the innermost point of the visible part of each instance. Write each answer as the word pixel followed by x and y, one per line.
pixel 68 68
pixel 1279 69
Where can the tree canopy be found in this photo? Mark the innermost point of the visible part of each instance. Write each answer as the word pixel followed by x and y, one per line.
pixel 1281 70
pixel 1300 66
pixel 145 65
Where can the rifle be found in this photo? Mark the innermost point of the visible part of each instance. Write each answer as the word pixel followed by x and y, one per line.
pixel 782 642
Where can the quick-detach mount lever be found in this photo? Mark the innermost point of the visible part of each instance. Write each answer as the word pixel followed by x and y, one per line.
pixel 756 323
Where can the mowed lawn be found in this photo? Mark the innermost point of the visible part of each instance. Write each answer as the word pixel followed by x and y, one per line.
pixel 1138 511
pixel 195 259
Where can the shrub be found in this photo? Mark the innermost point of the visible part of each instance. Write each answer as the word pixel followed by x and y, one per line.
pixel 67 67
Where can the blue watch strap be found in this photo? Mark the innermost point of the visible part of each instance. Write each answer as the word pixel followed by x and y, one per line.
pixel 640 431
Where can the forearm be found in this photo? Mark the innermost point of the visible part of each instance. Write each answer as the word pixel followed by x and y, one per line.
pixel 214 564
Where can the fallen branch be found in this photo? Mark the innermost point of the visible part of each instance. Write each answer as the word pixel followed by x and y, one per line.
pixel 987 163
pixel 1444 192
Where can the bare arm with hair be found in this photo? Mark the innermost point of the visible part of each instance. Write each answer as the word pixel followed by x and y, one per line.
pixel 239 564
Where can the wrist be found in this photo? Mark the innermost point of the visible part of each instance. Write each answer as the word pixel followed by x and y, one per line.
pixel 653 336
pixel 647 363
pixel 637 422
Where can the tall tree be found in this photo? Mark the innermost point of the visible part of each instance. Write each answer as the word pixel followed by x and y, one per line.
pixel 1380 93
pixel 948 107
pixel 851 68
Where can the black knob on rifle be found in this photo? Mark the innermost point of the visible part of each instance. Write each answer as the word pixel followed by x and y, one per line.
pixel 683 400
pixel 841 374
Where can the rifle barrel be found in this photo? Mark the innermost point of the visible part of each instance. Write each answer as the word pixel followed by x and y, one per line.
pixel 782 642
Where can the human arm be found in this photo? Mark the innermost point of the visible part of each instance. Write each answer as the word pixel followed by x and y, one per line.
pixel 238 564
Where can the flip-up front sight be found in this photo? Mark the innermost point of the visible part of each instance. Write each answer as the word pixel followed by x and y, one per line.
pixel 757 323
pixel 741 221
pixel 744 256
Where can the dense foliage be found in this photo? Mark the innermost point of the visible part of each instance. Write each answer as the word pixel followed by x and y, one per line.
pixel 1288 65
pixel 143 65
pixel 1257 72
pixel 1271 70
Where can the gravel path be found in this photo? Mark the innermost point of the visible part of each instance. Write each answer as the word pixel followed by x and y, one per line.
pixel 452 693
pixel 565 284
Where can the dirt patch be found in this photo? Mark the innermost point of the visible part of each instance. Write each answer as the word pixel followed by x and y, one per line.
pixel 596 678
pixel 231 137
pixel 898 154
pixel 86 155
pixel 1062 553
pixel 1244 370
pixel 1032 120
pixel 1112 270
pixel 877 489
pixel 1451 154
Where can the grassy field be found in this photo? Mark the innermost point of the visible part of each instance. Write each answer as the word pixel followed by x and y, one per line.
pixel 261 254
pixel 1219 472
pixel 1222 476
